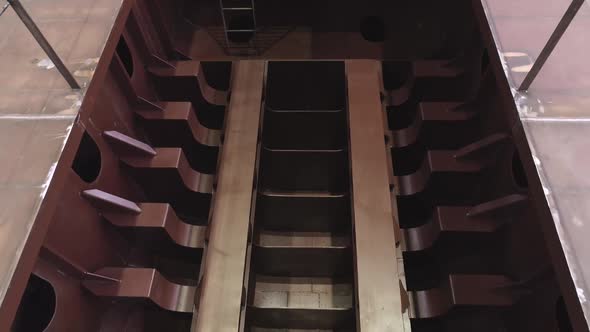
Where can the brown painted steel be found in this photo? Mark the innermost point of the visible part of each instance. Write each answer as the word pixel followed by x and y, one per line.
pixel 378 293
pixel 220 303
pixel 431 113
pixel 147 217
pixel 465 290
pixel 14 280
pixel 128 145
pixel 166 175
pixel 122 248
pixel 175 124
pixel 484 218
pixel 439 79
pixel 464 208
pixel 189 75
pixel 142 284
pixel 470 159
pixel 172 159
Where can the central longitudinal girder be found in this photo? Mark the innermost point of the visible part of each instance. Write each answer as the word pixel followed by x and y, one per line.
pixel 316 248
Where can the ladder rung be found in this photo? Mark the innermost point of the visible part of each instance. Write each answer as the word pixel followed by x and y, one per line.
pixel 238 8
pixel 241 30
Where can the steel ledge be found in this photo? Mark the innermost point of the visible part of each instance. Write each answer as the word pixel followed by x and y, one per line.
pixel 155 217
pixel 191 72
pixel 185 81
pixel 166 176
pixel 469 159
pixel 445 112
pixel 483 218
pixel 174 124
pixel 426 69
pixel 142 284
pixel 483 291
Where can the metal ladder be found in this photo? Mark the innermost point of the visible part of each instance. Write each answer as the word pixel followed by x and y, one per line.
pixel 239 8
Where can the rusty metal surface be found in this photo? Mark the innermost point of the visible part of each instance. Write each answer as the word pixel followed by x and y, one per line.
pixel 37 108
pixel 220 303
pixel 553 112
pixel 379 297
